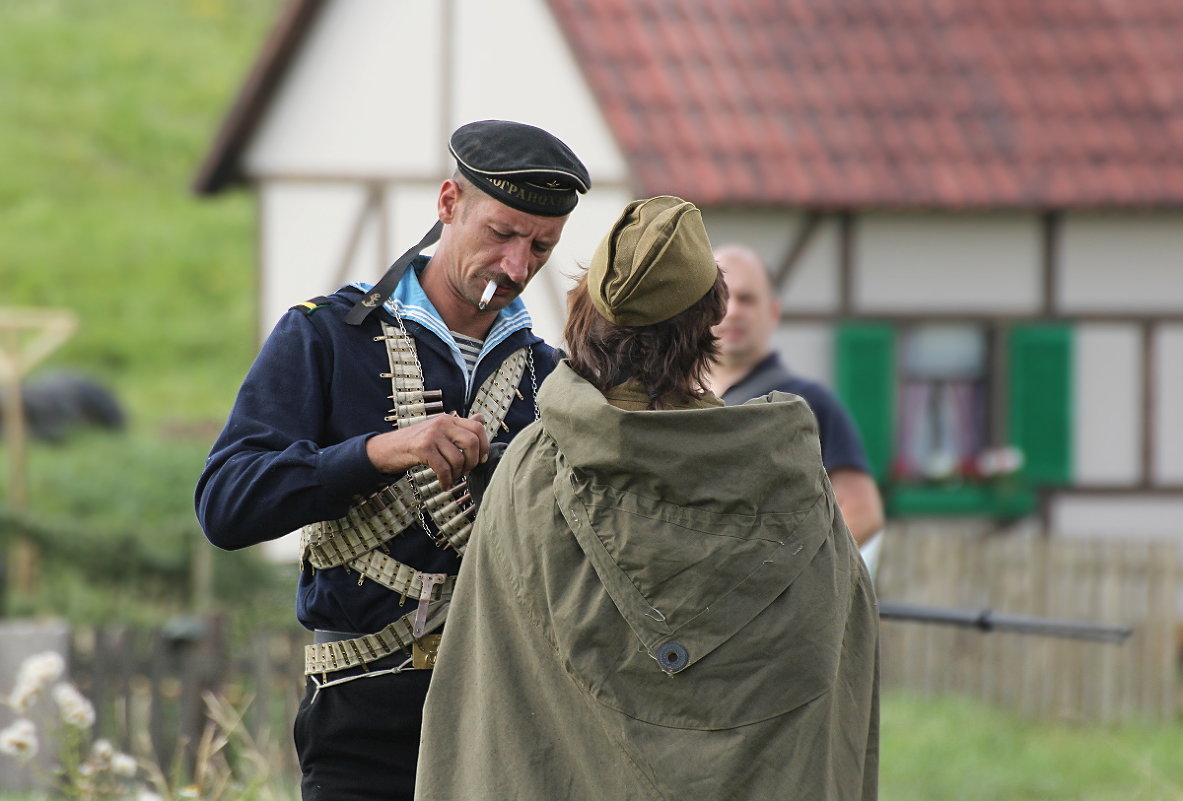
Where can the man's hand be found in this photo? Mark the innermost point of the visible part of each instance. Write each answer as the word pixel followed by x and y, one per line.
pixel 450 445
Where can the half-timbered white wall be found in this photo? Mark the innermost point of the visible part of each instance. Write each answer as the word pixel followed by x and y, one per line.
pixel 812 286
pixel 1168 465
pixel 943 263
pixel 379 84
pixel 813 283
pixel 1129 263
pixel 1107 375
pixel 358 99
pixel 1130 516
pixel 1122 263
pixel 372 97
pixel 1123 266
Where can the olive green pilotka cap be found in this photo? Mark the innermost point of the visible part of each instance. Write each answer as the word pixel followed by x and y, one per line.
pixel 655 263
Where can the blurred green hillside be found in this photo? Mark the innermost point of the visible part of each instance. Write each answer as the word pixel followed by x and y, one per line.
pixel 107 109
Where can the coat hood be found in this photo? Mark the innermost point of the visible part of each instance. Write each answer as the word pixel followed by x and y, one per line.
pixel 735 459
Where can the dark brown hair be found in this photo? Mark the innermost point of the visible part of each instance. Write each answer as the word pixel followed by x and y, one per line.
pixel 671 357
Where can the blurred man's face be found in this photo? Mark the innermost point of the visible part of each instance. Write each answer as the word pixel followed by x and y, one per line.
pixel 745 335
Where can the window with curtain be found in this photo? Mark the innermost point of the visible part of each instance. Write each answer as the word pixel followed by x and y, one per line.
pixel 943 404
pixel 921 395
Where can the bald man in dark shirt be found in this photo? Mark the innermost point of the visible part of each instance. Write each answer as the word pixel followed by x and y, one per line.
pixel 749 368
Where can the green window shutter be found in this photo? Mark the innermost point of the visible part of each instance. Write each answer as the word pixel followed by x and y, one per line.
pixel 864 377
pixel 1040 411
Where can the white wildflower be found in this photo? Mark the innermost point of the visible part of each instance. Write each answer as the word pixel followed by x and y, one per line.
pixel 23 694
pixel 124 765
pixel 36 672
pixel 189 791
pixel 19 739
pixel 42 669
pixel 102 751
pixel 147 795
pixel 76 710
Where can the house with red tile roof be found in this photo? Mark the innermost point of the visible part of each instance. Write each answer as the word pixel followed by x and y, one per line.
pixel 973 211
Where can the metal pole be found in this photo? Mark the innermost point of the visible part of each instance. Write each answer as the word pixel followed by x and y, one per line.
pixel 986 620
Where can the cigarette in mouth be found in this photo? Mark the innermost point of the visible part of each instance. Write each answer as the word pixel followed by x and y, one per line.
pixel 487 295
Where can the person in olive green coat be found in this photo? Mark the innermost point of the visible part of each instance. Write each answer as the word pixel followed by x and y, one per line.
pixel 660 599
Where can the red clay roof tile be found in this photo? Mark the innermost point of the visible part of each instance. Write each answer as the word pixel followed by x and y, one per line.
pixel 891 103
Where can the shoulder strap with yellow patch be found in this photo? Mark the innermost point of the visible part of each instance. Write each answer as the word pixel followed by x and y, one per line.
pixel 309 306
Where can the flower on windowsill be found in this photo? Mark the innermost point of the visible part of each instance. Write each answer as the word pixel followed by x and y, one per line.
pixel 940 466
pixel 1000 463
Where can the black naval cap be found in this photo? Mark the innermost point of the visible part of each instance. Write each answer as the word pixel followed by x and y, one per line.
pixel 524 167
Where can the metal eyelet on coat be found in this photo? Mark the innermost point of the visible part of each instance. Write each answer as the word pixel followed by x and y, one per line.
pixel 672 657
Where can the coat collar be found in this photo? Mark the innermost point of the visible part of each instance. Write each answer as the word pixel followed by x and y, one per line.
pixel 737 457
pixel 631 396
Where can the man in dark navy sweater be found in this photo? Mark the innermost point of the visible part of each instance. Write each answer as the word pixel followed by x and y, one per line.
pixel 365 423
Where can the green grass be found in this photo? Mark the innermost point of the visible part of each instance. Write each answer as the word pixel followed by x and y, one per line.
pixel 953 748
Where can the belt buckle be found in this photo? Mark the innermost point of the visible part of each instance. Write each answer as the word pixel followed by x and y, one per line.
pixel 423 651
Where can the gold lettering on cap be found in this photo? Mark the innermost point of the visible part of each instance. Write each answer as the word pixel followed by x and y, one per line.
pixel 528 195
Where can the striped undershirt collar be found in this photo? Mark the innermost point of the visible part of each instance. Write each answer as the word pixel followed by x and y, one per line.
pixel 410 302
pixel 470 349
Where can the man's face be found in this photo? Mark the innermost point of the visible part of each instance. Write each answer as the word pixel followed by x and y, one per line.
pixel 745 334
pixel 489 241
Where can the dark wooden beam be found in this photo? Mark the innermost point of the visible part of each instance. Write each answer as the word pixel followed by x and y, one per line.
pixel 221 164
pixel 1052 224
pixel 372 202
pixel 1138 490
pixel 1149 410
pixel 801 239
pixel 846 257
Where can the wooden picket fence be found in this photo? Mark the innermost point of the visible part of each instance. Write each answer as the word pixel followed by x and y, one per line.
pixel 1117 582
pixel 148 687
